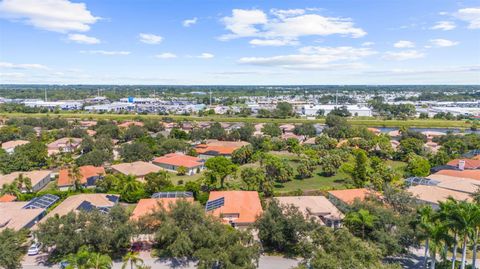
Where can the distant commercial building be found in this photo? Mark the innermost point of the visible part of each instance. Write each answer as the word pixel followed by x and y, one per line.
pixel 64 105
pixel 355 110
pixel 113 107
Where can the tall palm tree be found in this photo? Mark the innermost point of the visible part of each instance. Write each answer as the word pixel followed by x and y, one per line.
pixel 11 189
pixel 437 234
pixel 133 259
pixel 475 233
pixel 99 261
pixel 362 218
pixel 424 220
pixel 445 215
pixel 75 175
pixel 466 216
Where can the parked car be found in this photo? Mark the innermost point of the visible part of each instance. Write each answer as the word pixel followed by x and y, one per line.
pixel 34 249
pixel 63 264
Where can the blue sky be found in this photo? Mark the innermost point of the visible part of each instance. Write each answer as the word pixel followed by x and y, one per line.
pixel 240 42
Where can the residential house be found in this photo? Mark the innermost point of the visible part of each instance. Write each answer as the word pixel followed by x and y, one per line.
pixel 237 208
pixel 14 215
pixel 218 148
pixel 39 178
pixel 145 207
pixel 344 198
pixel 88 175
pixel 130 123
pixel 86 202
pixel 317 207
pixel 472 174
pixel 66 144
pixel 432 195
pixel 10 146
pixel 173 161
pixel 138 169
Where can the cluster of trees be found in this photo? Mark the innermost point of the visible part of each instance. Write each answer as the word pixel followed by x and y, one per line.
pixel 454 227
pixel 25 158
pixel 283 110
pixel 390 111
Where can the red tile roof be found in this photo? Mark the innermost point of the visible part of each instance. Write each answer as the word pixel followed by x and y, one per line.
pixel 130 123
pixel 177 159
pixel 349 196
pixel 222 150
pixel 147 206
pixel 469 163
pixel 473 174
pixel 244 203
pixel 85 172
pixel 7 198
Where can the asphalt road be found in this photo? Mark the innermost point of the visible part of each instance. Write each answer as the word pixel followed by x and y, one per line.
pixel 266 262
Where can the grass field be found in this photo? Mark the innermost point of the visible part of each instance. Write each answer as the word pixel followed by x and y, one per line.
pixel 361 121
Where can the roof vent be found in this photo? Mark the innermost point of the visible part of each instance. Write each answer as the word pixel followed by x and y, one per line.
pixel 461 165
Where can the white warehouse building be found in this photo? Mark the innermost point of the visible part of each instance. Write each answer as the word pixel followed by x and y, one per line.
pixel 356 110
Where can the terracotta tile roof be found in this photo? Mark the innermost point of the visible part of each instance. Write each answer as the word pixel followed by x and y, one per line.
pixel 177 159
pixel 434 194
pixel 349 196
pixel 205 149
pixel 469 163
pixel 374 130
pixel 147 206
pixel 7 198
pixel 244 203
pixel 14 144
pixel 138 169
pixel 473 174
pixel 85 173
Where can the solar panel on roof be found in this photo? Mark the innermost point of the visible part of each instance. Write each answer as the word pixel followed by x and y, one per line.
pixel 214 204
pixel 173 194
pixel 44 201
pixel 413 181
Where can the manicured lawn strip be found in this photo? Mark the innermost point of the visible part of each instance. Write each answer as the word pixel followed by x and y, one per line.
pixel 361 121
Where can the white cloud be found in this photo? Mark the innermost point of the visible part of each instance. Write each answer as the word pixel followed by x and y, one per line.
pixel 189 22
pixel 205 55
pixel 285 25
pixel 105 52
pixel 273 42
pixel 150 38
pixel 368 44
pixel 443 42
pixel 404 44
pixel 242 23
pixel 83 39
pixel 52 15
pixel 470 15
pixel 313 57
pixel 166 55
pixel 22 66
pixel 403 55
pixel 444 25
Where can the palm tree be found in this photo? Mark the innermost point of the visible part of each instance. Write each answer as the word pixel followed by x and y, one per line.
pixel 445 214
pixel 75 175
pixel 361 218
pixel 466 216
pixel 132 259
pixel 99 261
pixel 11 189
pixel 424 220
pixel 475 234
pixel 437 233
pixel 23 182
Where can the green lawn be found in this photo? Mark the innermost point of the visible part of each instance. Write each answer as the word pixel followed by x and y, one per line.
pixel 360 121
pixel 176 179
